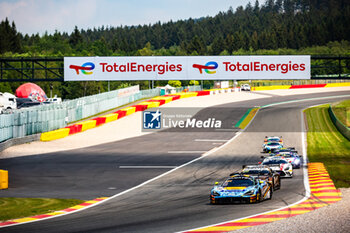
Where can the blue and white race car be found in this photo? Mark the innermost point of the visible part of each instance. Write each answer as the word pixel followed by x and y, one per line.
pixel 272 146
pixel 293 158
pixel 241 188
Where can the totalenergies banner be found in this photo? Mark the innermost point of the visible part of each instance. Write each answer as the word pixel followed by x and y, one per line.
pixel 186 68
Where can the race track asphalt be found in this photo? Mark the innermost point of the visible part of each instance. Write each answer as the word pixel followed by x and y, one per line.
pixel 177 201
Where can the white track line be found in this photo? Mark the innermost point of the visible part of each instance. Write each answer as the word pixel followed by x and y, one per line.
pixel 210 140
pixel 186 152
pixel 306 182
pixel 147 167
pixel 168 172
pixel 305 170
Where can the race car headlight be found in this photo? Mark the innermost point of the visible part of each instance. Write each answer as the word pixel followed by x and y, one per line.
pixel 215 193
pixel 251 192
pixel 297 161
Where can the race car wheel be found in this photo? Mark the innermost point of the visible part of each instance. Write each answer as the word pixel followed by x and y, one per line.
pixel 279 184
pixel 258 197
pixel 269 194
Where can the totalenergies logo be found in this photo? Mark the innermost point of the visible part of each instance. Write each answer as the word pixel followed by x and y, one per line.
pixel 212 65
pixel 85 68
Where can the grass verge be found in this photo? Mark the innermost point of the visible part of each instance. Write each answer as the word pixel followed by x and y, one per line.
pixel 325 144
pixel 342 111
pixel 12 208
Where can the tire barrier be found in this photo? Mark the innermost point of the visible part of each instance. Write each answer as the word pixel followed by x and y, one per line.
pixel 4 179
pixel 323 193
pixel 345 131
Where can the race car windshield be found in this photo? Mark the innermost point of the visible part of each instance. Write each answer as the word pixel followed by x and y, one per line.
pixel 274 140
pixel 259 172
pixel 273 144
pixel 251 171
pixel 274 162
pixel 238 183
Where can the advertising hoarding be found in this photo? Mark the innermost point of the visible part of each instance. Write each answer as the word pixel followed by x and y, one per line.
pixel 186 68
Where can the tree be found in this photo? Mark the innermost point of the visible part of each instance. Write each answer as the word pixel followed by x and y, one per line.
pixel 193 82
pixel 174 83
pixel 75 37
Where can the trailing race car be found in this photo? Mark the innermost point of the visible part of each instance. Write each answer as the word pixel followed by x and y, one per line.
pixel 287 149
pixel 263 172
pixel 293 158
pixel 279 165
pixel 272 146
pixel 273 139
pixel 241 188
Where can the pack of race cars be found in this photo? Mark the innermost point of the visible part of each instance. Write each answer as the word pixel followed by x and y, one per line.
pixel 255 183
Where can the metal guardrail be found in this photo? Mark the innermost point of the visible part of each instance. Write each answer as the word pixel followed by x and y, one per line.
pixel 343 129
pixel 51 69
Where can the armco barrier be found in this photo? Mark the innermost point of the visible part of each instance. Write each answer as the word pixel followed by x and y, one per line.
pixel 85 125
pixel 4 179
pixel 345 131
pixel 54 135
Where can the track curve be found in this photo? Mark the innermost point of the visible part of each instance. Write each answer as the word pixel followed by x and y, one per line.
pixel 175 202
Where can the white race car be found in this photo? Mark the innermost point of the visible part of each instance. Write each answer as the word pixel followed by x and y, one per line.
pixel 279 165
pixel 245 87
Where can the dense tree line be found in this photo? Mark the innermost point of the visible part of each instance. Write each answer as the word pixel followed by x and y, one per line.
pixel 276 24
pixel 276 27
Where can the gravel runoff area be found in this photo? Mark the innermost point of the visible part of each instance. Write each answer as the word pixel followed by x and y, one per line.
pixel 130 126
pixel 334 218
